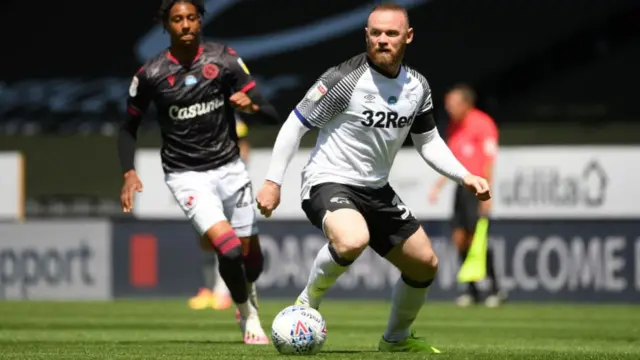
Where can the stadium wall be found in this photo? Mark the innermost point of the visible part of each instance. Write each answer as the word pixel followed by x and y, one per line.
pixel 538 260
pixel 565 227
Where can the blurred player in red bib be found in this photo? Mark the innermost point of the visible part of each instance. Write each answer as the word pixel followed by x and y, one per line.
pixel 473 139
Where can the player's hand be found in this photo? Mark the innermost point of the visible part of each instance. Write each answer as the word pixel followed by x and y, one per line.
pixel 268 198
pixel 131 184
pixel 478 186
pixel 242 102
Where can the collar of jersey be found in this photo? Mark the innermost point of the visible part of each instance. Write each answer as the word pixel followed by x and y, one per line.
pixel 381 71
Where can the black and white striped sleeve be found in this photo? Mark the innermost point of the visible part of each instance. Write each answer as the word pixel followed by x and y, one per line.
pixel 328 97
pixel 424 121
pixel 426 104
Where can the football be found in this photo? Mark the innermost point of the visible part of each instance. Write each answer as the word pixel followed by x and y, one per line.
pixel 298 330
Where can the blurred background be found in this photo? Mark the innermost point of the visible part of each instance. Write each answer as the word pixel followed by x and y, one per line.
pixel 560 78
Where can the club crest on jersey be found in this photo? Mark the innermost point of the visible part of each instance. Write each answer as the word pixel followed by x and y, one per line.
pixel 133 88
pixel 189 201
pixel 190 80
pixel 190 112
pixel 210 71
pixel 413 98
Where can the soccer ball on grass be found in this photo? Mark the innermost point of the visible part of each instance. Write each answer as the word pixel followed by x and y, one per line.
pixel 298 330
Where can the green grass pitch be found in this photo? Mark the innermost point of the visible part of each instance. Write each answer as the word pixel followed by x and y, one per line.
pixel 137 329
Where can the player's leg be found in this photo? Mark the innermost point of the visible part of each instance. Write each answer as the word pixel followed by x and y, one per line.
pixel 204 299
pixel 202 205
pixel 334 209
pixel 240 209
pixel 221 238
pixel 220 291
pixel 463 225
pixel 418 265
pixel 253 263
pixel 397 236
pixel 495 297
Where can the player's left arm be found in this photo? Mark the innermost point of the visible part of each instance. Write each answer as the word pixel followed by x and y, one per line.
pixel 238 78
pixel 140 95
pixel 430 144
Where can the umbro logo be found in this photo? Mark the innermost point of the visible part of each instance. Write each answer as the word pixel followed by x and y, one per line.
pixel 369 98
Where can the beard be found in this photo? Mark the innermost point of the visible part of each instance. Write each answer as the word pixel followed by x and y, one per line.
pixel 388 58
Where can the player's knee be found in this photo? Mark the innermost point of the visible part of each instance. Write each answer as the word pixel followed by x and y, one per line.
pixel 430 261
pixel 206 245
pixel 350 248
pixel 225 242
pixel 348 233
pixel 349 244
pixel 425 266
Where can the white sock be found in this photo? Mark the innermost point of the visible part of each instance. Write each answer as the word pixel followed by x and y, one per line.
pixel 219 286
pixel 247 310
pixel 406 302
pixel 324 272
pixel 253 294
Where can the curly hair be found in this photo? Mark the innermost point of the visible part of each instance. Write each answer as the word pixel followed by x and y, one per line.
pixel 162 15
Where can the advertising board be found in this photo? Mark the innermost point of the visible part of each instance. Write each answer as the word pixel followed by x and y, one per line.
pixel 11 186
pixel 535 260
pixel 61 260
pixel 545 182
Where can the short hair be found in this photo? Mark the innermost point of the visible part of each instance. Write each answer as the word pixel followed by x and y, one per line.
pixel 162 15
pixel 467 92
pixel 391 6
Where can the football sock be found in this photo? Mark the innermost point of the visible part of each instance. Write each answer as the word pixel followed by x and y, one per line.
pixel 407 299
pixel 231 267
pixel 326 269
pixel 247 309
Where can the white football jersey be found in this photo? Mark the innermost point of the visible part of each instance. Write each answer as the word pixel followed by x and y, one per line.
pixel 364 118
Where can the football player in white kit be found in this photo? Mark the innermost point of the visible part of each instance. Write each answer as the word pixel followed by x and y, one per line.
pixel 364 108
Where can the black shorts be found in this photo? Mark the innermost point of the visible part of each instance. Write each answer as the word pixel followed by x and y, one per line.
pixel 466 210
pixel 388 220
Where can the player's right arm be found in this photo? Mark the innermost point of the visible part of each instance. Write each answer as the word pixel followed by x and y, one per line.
pixel 137 103
pixel 322 102
pixel 435 151
pixel 436 189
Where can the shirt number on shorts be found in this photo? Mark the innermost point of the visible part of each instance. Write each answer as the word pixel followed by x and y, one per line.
pixel 402 207
pixel 245 196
